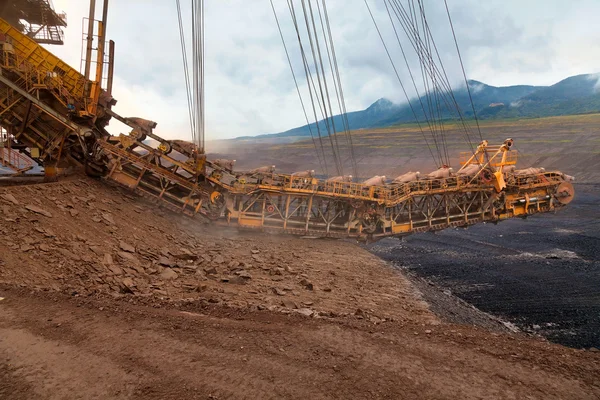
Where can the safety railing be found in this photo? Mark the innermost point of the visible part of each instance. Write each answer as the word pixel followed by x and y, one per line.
pixel 388 194
pixel 540 179
pixel 482 158
pixel 14 160
pixel 43 66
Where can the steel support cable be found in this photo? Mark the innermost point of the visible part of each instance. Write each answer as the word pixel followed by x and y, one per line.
pixel 198 44
pixel 465 125
pixel 297 87
pixel 308 80
pixel 408 66
pixel 186 72
pixel 431 77
pixel 464 75
pixel 448 89
pixel 339 89
pixel 416 44
pixel 425 74
pixel 435 80
pixel 421 54
pixel 447 93
pixel 194 73
pixel 322 94
pixel 463 69
pixel 201 75
pixel 436 105
pixel 313 85
pixel 406 62
pixel 202 80
pixel 304 59
pixel 401 84
pixel 196 100
pixel 311 81
pixel 316 89
pixel 403 19
pixel 331 69
pixel 337 84
pixel 333 133
pixel 323 74
pixel 441 122
pixel 422 49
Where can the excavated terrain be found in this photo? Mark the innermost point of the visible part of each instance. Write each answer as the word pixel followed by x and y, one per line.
pixel 541 273
pixel 102 295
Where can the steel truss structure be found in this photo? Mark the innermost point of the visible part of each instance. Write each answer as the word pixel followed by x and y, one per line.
pixel 52 116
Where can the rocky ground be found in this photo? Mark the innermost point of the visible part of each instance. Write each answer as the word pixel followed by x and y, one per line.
pixel 104 296
pixel 84 237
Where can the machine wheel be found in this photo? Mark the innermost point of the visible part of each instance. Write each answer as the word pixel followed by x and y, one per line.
pixel 165 147
pixel 214 208
pixel 564 193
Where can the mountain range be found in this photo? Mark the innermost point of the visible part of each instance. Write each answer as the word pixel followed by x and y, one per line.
pixel 575 95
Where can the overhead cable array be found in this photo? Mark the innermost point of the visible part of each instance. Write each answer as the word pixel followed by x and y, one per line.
pixel 436 99
pixel 316 46
pixel 195 88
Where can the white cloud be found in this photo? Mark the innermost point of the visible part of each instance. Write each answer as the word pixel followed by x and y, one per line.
pixel 476 87
pixel 249 89
pixel 517 103
pixel 596 79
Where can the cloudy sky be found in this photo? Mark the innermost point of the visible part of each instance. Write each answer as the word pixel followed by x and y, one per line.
pixel 249 88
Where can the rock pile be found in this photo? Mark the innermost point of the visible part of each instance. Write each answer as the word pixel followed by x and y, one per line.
pixel 83 237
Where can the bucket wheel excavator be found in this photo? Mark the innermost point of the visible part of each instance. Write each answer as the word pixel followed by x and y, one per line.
pixel 56 116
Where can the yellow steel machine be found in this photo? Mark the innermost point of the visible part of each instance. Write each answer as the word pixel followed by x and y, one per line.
pixel 57 116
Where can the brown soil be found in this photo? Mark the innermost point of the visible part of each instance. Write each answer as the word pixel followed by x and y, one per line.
pixel 568 143
pixel 99 239
pixel 105 296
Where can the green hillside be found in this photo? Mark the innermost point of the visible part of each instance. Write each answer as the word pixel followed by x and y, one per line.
pixel 575 95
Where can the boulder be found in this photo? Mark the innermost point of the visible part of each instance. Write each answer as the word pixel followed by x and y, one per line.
pixel 168 274
pixel 38 210
pixel 307 312
pixel 108 219
pixel 166 262
pixel 126 247
pixel 10 198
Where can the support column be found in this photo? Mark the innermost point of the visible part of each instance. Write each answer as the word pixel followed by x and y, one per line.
pixel 89 40
pixel 50 171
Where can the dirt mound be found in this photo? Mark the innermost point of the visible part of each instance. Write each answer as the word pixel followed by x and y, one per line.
pixel 103 295
pixel 56 346
pixel 84 237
